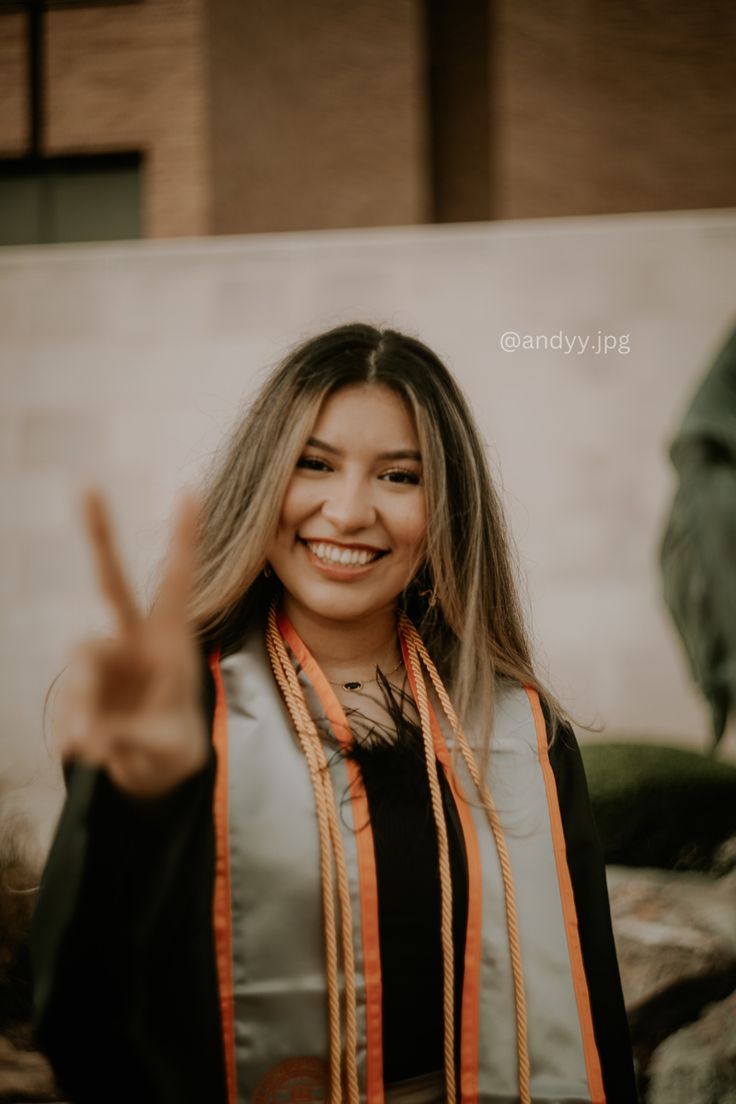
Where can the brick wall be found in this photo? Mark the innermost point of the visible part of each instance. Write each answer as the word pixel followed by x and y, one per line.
pixel 13 121
pixel 282 115
pixel 605 107
pixel 317 114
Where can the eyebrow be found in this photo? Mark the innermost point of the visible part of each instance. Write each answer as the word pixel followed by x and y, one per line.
pixel 395 454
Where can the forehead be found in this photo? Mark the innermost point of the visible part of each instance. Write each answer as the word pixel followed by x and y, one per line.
pixel 366 410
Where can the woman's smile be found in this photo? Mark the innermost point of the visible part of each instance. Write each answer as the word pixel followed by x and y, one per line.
pixel 340 562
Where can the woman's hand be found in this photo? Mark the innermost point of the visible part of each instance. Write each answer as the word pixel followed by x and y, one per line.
pixel 131 704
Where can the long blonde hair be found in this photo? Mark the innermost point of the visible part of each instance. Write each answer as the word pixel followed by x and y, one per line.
pixel 474 628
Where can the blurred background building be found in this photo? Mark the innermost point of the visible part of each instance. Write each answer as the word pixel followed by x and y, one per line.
pixel 168 118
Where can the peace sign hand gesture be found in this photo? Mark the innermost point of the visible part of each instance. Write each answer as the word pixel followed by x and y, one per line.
pixel 131 704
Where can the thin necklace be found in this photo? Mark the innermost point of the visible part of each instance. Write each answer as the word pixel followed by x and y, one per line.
pixel 354 684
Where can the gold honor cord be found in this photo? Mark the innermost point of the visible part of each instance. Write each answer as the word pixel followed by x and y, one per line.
pixel 331 850
pixel 448 949
pixel 512 923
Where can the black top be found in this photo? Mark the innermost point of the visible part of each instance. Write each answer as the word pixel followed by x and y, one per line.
pixel 123 945
pixel 394 775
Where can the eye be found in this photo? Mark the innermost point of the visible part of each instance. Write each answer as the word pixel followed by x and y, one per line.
pixel 402 475
pixel 312 463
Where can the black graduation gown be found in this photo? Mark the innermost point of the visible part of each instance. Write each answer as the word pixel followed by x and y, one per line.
pixel 122 941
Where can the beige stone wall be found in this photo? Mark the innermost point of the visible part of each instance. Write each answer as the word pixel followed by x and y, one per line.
pixel 127 77
pixel 126 364
pixel 604 107
pixel 316 114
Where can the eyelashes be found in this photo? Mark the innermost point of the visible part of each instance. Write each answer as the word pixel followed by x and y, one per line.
pixel 410 477
pixel 315 463
pixel 311 463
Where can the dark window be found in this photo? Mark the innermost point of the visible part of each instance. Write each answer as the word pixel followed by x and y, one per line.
pixel 70 199
pixel 24 5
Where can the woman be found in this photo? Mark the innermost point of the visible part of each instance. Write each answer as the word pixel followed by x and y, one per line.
pixel 327 835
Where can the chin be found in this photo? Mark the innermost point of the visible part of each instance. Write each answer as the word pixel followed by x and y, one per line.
pixel 341 607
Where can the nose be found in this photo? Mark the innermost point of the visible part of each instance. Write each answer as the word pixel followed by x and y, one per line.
pixel 348 506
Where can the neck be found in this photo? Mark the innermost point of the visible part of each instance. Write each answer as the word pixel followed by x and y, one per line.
pixel 351 647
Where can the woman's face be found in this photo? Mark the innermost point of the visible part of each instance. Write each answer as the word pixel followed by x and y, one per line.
pixel 353 519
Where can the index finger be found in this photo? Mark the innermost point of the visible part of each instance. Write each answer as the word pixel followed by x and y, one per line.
pixel 107 560
pixel 178 576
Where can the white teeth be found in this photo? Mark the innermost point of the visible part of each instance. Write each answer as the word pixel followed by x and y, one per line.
pixel 330 553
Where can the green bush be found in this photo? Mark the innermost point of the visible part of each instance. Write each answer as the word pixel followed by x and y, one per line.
pixel 660 806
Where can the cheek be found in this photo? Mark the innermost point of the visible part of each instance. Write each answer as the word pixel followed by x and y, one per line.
pixel 411 526
pixel 295 506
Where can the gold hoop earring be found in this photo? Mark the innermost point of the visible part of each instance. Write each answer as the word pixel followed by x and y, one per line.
pixel 430 595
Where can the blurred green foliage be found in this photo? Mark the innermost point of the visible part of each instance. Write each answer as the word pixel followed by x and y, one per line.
pixel 660 806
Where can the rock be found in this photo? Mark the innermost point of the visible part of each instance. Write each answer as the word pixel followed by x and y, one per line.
pixel 697 1065
pixel 724 858
pixel 24 1075
pixel 676 944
